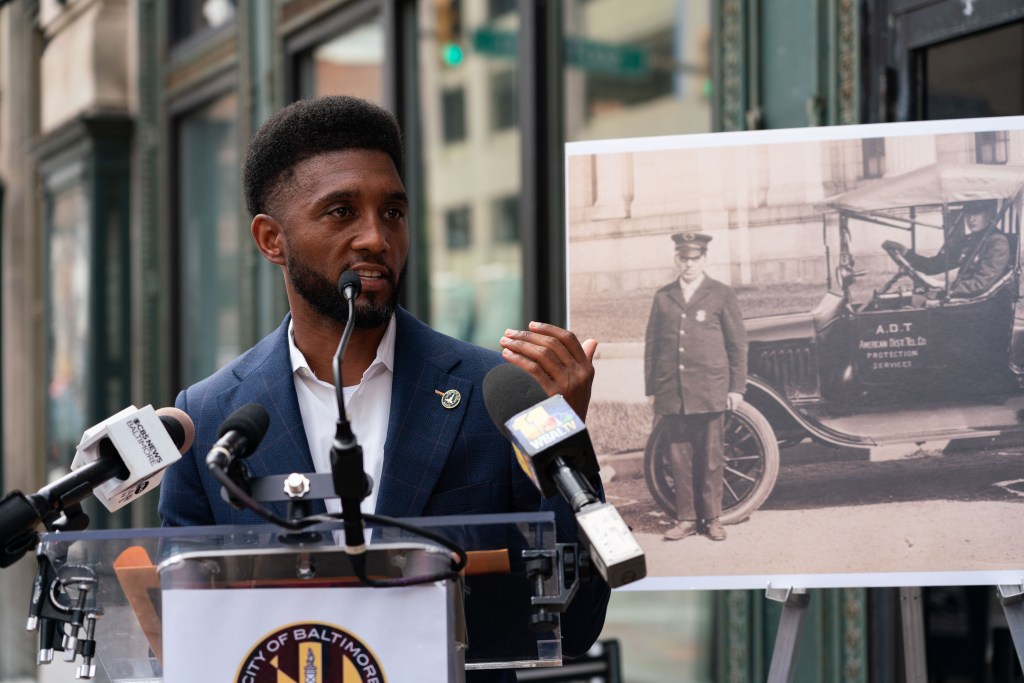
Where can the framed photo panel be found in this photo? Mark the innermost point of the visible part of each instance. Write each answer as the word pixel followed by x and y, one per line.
pixel 871 400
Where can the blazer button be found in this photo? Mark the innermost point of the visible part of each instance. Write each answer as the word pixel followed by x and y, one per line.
pixel 681 349
pixel 682 367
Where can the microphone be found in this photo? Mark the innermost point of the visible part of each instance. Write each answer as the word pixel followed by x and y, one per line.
pixel 237 438
pixel 107 459
pixel 351 483
pixel 239 435
pixel 349 285
pixel 553 448
pixel 145 442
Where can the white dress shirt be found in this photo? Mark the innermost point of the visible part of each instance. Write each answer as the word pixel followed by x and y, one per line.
pixel 368 406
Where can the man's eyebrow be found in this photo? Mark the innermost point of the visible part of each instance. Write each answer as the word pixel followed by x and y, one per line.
pixel 339 195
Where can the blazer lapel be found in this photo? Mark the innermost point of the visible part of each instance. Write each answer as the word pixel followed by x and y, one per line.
pixel 421 431
pixel 702 291
pixel 675 294
pixel 268 380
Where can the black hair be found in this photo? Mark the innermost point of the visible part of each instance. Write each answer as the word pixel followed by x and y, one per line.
pixel 310 127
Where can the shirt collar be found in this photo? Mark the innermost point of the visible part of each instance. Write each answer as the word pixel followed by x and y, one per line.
pixel 385 352
pixel 691 287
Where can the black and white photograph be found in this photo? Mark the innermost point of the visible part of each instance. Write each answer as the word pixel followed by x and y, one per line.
pixel 811 355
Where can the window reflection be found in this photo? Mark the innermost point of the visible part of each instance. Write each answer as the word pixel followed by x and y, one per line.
pixel 471 166
pixel 192 17
pixel 68 324
pixel 350 63
pixel 637 69
pixel 211 236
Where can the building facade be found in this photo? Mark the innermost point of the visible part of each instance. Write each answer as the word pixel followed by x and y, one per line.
pixel 125 261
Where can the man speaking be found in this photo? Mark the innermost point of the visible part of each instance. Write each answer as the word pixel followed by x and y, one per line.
pixel 695 368
pixel 322 183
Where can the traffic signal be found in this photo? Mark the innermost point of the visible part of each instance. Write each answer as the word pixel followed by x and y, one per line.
pixel 449 32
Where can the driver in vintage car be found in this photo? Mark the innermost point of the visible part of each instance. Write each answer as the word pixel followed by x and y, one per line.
pixel 980 252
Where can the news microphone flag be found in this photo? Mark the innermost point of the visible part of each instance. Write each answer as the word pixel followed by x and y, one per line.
pixel 536 429
pixel 144 445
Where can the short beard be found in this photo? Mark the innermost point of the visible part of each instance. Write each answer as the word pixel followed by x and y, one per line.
pixel 323 295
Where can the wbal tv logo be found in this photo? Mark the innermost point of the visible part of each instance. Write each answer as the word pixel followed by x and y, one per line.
pixel 310 653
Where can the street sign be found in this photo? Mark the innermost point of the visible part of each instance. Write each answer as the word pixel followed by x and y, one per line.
pixel 590 55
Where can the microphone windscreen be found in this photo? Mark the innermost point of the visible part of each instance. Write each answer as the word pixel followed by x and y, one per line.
pixel 509 390
pixel 179 427
pixel 350 278
pixel 251 421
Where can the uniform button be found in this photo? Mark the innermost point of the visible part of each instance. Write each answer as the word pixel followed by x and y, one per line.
pixel 682 315
pixel 681 349
pixel 682 332
pixel 682 367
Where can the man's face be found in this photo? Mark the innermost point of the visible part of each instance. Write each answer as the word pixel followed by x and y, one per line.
pixel 345 210
pixel 690 267
pixel 977 219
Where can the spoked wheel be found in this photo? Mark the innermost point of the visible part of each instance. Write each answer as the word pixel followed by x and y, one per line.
pixel 751 465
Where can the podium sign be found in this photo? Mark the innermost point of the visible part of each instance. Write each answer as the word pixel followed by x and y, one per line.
pixel 281 614
pixel 295 634
pixel 253 604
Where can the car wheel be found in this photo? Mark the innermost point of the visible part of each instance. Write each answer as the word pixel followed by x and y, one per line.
pixel 751 465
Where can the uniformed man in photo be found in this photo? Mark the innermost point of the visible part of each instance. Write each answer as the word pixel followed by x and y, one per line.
pixel 978 251
pixel 695 368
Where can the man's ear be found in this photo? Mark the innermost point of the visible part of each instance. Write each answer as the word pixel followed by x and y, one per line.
pixel 269 237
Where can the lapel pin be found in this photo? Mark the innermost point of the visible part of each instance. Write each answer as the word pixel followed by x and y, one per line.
pixel 449 399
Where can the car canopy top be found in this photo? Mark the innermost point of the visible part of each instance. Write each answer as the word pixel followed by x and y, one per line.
pixel 933 185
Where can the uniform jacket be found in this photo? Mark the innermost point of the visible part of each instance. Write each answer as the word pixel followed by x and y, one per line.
pixel 436 461
pixel 694 353
pixel 982 258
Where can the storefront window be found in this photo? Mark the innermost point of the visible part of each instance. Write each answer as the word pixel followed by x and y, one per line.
pixel 470 148
pixel 350 63
pixel 977 75
pixel 68 318
pixel 637 69
pixel 193 17
pixel 211 237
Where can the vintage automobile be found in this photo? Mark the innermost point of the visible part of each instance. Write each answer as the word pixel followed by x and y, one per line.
pixel 898 361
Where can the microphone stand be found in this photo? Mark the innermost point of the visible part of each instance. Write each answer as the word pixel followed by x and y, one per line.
pixel 351 482
pixel 58 506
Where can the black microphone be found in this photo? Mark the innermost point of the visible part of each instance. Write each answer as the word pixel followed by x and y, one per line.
pixel 239 435
pixel 349 285
pixel 20 513
pixel 553 433
pixel 351 482
pixel 552 446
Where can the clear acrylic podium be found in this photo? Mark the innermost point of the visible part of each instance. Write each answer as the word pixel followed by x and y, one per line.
pixel 261 603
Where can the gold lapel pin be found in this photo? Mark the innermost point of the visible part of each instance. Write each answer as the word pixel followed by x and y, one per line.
pixel 449 399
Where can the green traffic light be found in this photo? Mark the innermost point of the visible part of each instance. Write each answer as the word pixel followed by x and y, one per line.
pixel 452 54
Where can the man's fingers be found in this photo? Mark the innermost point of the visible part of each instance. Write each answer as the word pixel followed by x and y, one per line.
pixel 590 348
pixel 566 339
pixel 556 359
pixel 536 371
pixel 547 351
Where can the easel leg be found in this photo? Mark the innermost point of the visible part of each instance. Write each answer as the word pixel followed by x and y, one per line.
pixel 787 639
pixel 1012 598
pixel 912 620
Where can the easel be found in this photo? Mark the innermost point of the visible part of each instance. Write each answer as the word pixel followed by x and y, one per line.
pixel 791 625
pixel 794 611
pixel 1012 599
